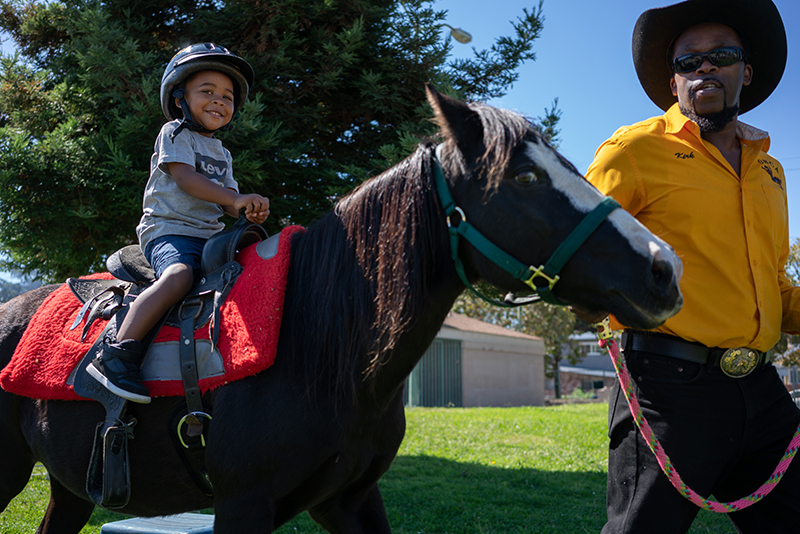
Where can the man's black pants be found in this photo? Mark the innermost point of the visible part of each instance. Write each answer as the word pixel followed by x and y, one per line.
pixel 724 436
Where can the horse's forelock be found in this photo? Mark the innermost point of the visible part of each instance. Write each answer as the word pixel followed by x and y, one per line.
pixel 503 131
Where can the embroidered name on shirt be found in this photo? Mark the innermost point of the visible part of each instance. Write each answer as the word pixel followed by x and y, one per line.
pixel 681 155
pixel 772 170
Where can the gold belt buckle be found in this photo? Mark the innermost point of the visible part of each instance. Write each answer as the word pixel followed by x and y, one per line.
pixel 738 362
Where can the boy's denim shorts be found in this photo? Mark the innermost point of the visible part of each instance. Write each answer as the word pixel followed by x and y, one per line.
pixel 168 250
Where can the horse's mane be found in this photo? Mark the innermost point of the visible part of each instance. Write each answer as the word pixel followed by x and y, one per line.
pixel 360 274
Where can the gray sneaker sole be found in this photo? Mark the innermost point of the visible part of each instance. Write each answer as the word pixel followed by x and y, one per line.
pixel 127 395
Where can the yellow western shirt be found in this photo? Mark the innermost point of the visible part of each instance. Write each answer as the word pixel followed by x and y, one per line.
pixel 731 234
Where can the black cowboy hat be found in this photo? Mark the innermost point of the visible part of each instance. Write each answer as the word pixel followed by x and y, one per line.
pixel 758 22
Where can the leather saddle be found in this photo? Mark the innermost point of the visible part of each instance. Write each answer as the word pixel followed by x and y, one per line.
pixel 108 481
pixel 133 273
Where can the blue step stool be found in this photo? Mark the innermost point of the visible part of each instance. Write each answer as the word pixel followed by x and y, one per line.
pixel 171 524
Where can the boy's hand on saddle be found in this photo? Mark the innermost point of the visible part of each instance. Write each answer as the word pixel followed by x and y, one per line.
pixel 256 207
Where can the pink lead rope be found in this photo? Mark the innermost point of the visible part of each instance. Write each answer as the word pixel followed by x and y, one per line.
pixel 607 341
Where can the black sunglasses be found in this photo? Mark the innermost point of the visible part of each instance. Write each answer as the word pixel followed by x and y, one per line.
pixel 720 57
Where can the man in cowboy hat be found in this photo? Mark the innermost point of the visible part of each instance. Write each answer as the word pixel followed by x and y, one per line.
pixel 704 182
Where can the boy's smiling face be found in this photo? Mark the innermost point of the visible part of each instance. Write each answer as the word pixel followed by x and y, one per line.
pixel 210 97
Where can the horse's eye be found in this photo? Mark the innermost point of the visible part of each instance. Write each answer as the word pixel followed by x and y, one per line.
pixel 526 177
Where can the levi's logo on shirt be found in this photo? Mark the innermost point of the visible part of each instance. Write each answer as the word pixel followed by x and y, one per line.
pixel 211 168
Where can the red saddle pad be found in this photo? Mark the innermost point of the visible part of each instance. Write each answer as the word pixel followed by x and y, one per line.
pixel 248 341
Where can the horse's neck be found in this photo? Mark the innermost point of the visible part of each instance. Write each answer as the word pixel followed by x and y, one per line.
pixel 411 346
pixel 373 277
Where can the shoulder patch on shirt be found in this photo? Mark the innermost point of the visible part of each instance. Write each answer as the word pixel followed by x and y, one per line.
pixel 772 170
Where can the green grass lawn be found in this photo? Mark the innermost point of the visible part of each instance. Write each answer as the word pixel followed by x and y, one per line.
pixel 471 471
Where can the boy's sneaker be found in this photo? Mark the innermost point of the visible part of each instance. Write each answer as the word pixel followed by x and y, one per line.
pixel 116 367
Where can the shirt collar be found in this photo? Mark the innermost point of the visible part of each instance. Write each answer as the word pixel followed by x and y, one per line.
pixel 676 121
pixel 750 133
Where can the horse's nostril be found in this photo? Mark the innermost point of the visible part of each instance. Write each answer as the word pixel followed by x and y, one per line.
pixel 662 272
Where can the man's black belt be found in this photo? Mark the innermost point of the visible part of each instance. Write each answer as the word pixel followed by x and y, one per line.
pixel 734 362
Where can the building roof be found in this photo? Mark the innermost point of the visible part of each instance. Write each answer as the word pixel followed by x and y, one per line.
pixel 468 324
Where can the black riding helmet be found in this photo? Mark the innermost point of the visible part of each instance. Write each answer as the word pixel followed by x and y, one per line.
pixel 195 58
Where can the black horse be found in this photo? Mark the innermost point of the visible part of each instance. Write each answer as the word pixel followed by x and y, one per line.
pixel 369 287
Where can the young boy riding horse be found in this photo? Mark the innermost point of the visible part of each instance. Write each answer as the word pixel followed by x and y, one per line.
pixel 191 185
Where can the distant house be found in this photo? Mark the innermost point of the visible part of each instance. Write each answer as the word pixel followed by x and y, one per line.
pixel 594 372
pixel 473 363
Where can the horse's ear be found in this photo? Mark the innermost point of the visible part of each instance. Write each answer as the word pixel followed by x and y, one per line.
pixel 456 120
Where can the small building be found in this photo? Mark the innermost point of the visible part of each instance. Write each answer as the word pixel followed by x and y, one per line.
pixel 473 363
pixel 593 373
pixel 789 374
pixel 596 370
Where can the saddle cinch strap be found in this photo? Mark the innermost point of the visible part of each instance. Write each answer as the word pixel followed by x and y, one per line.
pixel 108 483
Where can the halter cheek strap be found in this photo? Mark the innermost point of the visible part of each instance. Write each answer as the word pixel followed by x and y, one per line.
pixel 540 279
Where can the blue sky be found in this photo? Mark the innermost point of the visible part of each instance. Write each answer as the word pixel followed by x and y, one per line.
pixel 584 59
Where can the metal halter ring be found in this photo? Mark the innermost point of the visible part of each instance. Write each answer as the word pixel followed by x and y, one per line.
pixel 551 280
pixel 460 213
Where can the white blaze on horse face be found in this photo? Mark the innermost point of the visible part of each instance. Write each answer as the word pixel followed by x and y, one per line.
pixel 585 197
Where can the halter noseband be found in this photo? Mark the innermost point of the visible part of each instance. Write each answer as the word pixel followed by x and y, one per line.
pixel 548 273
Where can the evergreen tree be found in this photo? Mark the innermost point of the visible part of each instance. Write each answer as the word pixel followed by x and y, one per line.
pixel 338 98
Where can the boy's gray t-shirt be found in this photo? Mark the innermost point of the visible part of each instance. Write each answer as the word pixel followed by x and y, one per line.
pixel 168 210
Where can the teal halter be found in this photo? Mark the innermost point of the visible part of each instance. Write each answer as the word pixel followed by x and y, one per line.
pixel 548 273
